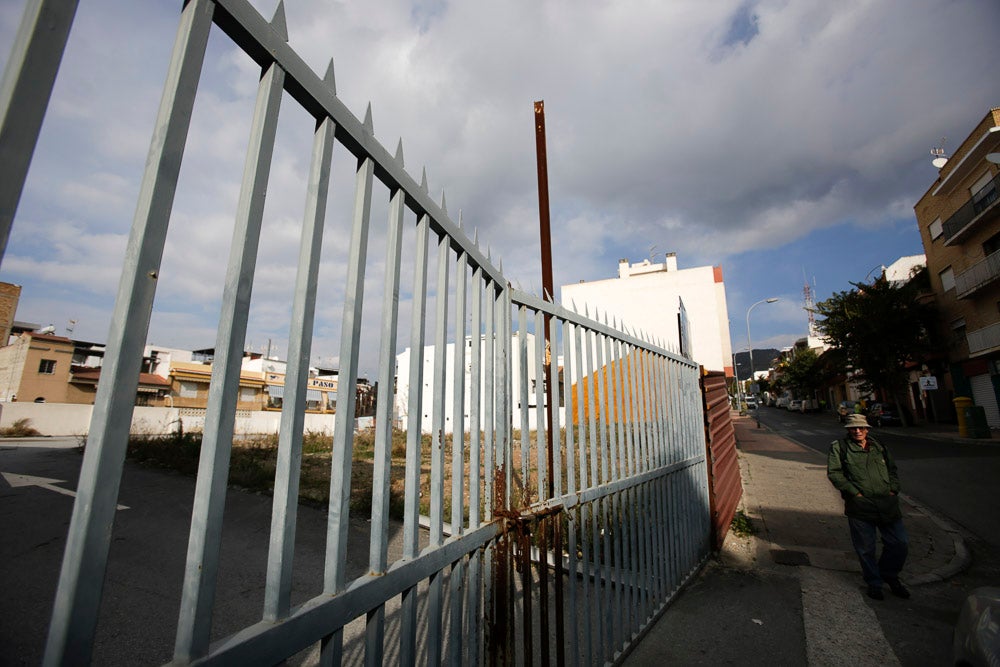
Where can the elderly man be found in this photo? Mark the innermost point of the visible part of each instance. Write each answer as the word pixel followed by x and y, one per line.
pixel 865 474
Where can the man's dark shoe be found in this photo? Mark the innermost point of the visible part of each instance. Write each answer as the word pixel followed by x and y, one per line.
pixel 898 589
pixel 875 593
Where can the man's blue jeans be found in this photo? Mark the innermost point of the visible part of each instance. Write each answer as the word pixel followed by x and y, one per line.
pixel 895 545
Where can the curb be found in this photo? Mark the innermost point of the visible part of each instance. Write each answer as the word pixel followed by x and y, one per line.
pixel 958 563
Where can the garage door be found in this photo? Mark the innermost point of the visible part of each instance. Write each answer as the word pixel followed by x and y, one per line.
pixel 983 394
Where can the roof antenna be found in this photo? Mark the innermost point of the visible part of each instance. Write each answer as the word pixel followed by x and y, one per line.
pixel 940 159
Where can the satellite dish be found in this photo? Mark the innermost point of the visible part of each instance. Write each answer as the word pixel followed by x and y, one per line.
pixel 46 330
pixel 939 162
pixel 994 158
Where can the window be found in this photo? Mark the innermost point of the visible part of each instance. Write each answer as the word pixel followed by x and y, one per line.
pixel 189 390
pixel 992 244
pixel 47 366
pixel 314 399
pixel 984 192
pixel 275 395
pixel 248 394
pixel 947 279
pixel 935 229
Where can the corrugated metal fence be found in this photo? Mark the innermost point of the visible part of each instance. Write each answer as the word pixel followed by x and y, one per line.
pixel 532 554
pixel 724 481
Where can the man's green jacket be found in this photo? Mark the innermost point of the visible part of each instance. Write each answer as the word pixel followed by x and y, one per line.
pixel 870 472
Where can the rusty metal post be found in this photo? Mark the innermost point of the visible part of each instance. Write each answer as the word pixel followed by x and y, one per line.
pixel 548 293
pixel 500 647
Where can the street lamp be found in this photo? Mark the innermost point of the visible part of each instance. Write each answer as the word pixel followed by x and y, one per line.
pixel 739 394
pixel 750 344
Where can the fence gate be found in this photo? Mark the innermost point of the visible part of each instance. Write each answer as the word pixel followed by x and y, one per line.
pixel 599 530
pixel 513 550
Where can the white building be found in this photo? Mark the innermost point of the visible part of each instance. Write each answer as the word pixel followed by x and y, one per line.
pixel 402 398
pixel 656 298
pixel 902 269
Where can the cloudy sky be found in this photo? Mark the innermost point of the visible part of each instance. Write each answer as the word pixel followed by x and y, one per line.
pixel 786 142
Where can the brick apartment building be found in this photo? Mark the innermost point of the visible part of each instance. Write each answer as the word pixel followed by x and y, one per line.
pixel 959 220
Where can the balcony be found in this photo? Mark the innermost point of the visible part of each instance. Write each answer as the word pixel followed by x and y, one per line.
pixel 983 340
pixel 979 275
pixel 981 206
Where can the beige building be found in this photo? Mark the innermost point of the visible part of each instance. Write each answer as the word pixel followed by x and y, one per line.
pixel 40 368
pixel 10 295
pixel 189 383
pixel 959 220
pixel 44 368
pixel 262 386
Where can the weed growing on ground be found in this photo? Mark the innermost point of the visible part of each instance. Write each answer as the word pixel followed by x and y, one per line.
pixel 741 525
pixel 22 428
pixel 253 463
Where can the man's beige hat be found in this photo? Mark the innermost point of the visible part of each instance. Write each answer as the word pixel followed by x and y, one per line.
pixel 855 421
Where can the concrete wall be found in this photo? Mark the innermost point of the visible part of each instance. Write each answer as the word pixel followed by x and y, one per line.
pixel 71 419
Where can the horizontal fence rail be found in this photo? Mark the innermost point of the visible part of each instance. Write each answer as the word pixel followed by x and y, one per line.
pixel 505 532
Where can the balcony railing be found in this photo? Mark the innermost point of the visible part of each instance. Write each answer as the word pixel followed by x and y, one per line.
pixel 978 275
pixel 983 340
pixel 963 219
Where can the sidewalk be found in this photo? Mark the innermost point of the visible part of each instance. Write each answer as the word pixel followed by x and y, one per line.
pixel 792 594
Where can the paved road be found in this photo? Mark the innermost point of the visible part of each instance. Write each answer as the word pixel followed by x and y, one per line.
pixel 138 617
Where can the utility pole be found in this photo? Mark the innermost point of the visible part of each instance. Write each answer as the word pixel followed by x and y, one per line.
pixel 552 526
pixel 546 252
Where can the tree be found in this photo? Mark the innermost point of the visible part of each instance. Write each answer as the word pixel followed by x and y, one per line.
pixel 801 373
pixel 880 328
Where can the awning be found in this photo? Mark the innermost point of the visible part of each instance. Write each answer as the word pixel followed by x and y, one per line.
pixel 314 395
pixel 276 390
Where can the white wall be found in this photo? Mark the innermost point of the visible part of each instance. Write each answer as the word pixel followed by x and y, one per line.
pixel 57 419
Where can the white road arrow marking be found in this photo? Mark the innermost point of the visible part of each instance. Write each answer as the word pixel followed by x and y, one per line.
pixel 44 482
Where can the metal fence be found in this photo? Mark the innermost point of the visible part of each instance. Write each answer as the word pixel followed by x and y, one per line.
pixel 561 543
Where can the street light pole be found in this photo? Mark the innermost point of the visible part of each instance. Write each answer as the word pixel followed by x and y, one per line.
pixel 749 343
pixel 739 394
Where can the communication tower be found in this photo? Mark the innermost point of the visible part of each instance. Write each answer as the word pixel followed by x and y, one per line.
pixel 807 297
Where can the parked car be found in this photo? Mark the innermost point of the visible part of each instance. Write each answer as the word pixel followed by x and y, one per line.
pixel 883 414
pixel 781 402
pixel 976 638
pixel 751 402
pixel 845 408
pixel 795 405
